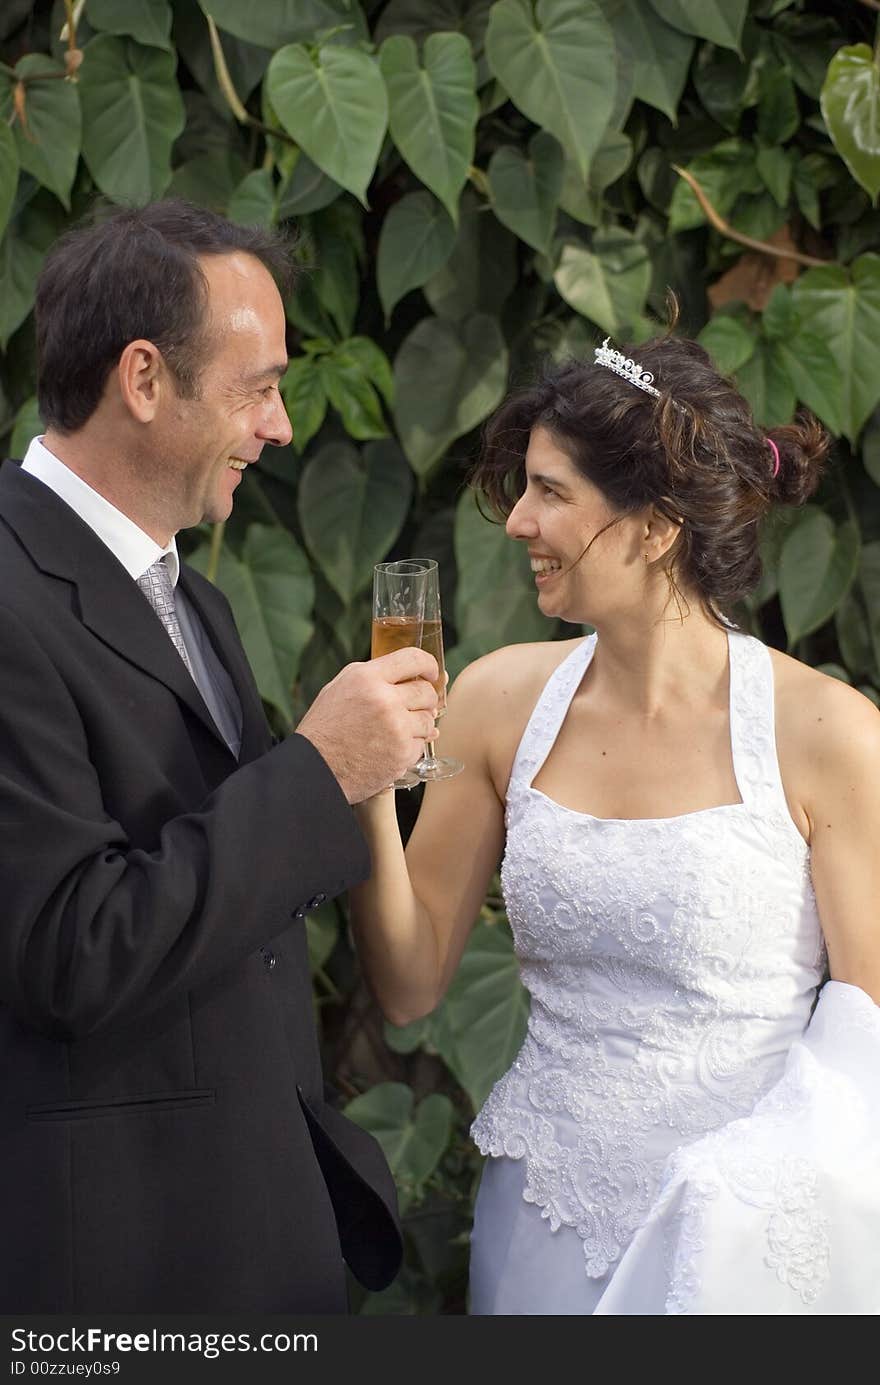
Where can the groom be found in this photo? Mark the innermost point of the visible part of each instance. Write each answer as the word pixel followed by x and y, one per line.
pixel 166 1146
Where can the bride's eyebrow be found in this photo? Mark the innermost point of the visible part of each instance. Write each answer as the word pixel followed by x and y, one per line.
pixel 546 479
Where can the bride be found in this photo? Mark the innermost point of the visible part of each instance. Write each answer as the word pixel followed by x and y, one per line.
pixel 688 821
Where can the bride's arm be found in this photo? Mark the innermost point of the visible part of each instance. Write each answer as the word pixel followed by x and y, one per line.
pixel 412 918
pixel 843 807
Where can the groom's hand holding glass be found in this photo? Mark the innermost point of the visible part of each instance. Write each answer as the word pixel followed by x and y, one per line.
pixel 370 723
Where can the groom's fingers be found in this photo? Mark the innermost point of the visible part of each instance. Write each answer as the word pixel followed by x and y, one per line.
pixel 405 664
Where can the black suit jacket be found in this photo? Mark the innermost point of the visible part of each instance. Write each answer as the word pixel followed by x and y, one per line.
pixel 164 1141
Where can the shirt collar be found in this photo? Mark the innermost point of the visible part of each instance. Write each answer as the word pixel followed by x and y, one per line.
pixel 134 549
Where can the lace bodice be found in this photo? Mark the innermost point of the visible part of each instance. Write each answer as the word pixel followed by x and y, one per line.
pixel 670 962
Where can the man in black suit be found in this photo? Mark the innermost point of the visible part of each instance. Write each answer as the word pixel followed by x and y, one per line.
pixel 165 1143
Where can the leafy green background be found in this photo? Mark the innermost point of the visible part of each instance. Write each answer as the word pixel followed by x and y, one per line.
pixel 478 183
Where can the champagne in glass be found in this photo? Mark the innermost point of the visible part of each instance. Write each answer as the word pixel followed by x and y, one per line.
pixel 431 766
pixel 399 591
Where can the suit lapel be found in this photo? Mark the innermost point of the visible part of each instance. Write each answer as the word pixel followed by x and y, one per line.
pixel 111 604
pixel 214 615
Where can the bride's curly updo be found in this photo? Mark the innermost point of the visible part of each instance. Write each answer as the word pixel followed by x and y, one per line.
pixel 695 454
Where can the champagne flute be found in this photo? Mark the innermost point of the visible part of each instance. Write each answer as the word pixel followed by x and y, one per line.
pixel 431 767
pixel 399 591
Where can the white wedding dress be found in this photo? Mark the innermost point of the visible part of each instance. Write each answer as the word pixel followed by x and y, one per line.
pixel 669 1138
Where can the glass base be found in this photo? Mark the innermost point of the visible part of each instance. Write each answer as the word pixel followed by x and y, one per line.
pixel 408 780
pixel 443 767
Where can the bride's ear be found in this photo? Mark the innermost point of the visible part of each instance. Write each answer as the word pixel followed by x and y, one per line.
pixel 659 534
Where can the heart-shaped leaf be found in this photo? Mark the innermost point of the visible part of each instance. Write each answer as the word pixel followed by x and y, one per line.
pixel 607 284
pixel 304 398
pixel 149 21
pixel 658 55
pixel 28 425
pixel 720 21
pixel 22 251
pixel 525 189
pixel 766 384
pixel 495 601
pixel 481 271
pixel 273 23
pixel 413 1138
pixel 210 179
pixel 433 110
pixel 816 570
pixel 448 376
pixel 334 104
pixel 352 508
pixel 253 201
pixel 416 239
pixel 8 173
pixel 842 306
pixel 485 1013
pixel 558 63
pixel 49 145
pixel 272 592
pixel 729 341
pixel 851 109
pixel 132 114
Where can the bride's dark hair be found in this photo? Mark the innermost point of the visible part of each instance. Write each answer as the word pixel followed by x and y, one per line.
pixel 695 454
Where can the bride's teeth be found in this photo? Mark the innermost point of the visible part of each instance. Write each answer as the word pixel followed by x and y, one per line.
pixel 237 464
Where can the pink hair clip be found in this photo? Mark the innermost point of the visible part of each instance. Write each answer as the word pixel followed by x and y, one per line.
pixel 775 450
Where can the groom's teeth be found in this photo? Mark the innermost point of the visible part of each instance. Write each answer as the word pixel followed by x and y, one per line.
pixel 545 565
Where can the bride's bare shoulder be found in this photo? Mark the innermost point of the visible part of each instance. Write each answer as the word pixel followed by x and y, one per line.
pixel 512 675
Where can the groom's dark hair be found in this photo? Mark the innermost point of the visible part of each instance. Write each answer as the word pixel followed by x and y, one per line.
pixel 130 274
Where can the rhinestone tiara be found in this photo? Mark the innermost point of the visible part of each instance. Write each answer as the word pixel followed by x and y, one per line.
pixel 624 367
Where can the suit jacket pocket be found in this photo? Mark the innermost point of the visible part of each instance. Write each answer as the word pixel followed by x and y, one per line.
pixel 144 1104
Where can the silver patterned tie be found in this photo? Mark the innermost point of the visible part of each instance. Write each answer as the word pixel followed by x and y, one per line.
pixel 158 588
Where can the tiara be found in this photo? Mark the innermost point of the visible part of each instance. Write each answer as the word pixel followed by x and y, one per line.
pixel 624 367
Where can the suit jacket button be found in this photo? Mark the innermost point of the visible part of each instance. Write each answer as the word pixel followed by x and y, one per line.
pixel 269 958
pixel 316 902
pixel 299 915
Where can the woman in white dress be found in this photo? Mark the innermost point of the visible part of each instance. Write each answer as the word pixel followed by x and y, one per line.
pixel 689 824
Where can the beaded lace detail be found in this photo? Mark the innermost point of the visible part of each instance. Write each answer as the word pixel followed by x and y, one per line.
pixel 670 963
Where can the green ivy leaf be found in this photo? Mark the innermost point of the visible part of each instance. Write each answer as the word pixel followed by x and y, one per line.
pixel 869 581
pixel 334 104
pixel 764 381
pixel 209 179
pixel 149 21
pixel 729 341
pixel 448 377
pixel 28 425
pixel 495 600
pixel 132 114
pixel 433 110
pixel 308 189
pixel 720 21
pixel 481 271
pixel 271 591
pixel 413 1138
pixel 22 251
pixel 609 283
pixel 816 570
pixel 583 199
pixel 851 109
pixel 416 239
pixel 775 168
pixel 815 373
pixel 49 148
pixel 352 508
pixel 372 362
pixel 322 934
pixel 525 189
pixel 484 1013
pixel 273 23
pixel 352 395
pixel 724 174
pixel 842 306
pixel 558 63
pixel 253 201
pixel 8 173
pixel 778 114
pixel 658 55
